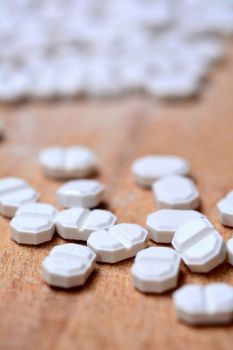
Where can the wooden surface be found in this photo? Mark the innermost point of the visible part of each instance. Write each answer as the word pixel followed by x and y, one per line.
pixel 108 313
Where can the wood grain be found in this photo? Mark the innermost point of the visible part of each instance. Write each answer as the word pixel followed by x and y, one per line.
pixel 108 313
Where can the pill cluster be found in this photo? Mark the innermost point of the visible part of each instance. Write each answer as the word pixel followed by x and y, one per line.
pixel 164 47
pixel 194 240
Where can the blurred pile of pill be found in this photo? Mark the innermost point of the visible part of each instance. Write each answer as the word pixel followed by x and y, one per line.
pixel 188 237
pixel 64 48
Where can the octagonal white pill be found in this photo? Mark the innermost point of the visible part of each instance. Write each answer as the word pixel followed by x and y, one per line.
pixel 163 223
pixel 34 223
pixel 204 305
pixel 15 192
pixel 68 162
pixel 150 168
pixel 80 193
pixel 200 245
pixel 156 269
pixel 225 210
pixel 78 223
pixel 176 192
pixel 118 243
pixel 230 251
pixel 68 265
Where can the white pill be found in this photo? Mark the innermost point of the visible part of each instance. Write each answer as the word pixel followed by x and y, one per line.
pixel 148 169
pixel 200 245
pixel 156 269
pixel 68 265
pixel 79 223
pixel 70 162
pixel 174 85
pixel 34 223
pixel 225 210
pixel 176 192
pixel 202 305
pixel 120 242
pixel 230 251
pixel 80 193
pixel 15 192
pixel 163 223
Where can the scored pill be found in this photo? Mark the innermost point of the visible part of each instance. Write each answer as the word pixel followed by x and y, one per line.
pixel 200 245
pixel 118 243
pixel 68 265
pixel 204 305
pixel 78 223
pixel 225 210
pixel 80 193
pixel 70 162
pixel 150 168
pixel 176 192
pixel 156 269
pixel 163 223
pixel 15 192
pixel 34 223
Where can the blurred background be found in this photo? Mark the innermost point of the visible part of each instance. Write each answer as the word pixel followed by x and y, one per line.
pixel 65 48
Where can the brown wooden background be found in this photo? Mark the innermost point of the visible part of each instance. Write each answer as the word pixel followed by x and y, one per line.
pixel 108 313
